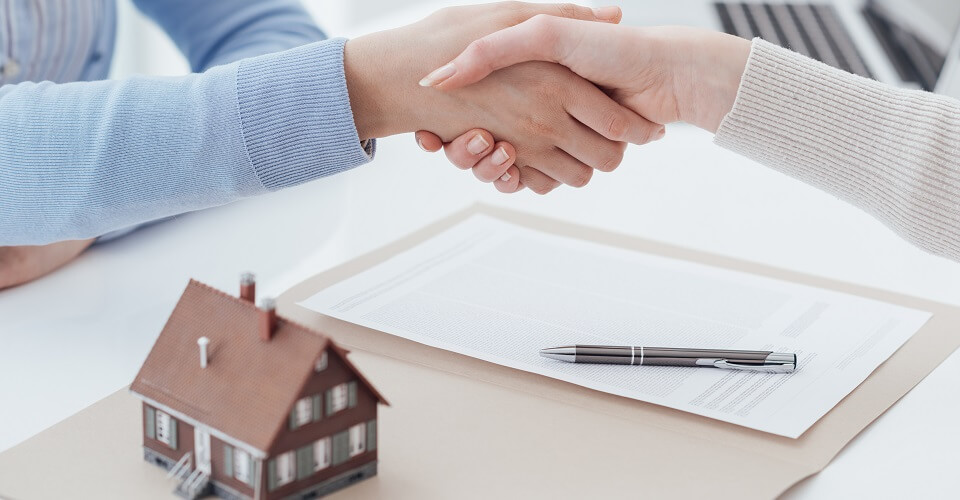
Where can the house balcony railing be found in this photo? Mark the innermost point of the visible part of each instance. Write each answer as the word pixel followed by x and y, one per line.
pixel 194 486
pixel 190 484
pixel 181 468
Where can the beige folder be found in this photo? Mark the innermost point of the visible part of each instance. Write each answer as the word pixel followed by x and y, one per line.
pixel 461 428
pixel 590 444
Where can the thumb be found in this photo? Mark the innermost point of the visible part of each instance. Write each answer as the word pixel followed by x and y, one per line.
pixel 428 141
pixel 540 38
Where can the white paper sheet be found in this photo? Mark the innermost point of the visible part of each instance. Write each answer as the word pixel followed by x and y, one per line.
pixel 501 292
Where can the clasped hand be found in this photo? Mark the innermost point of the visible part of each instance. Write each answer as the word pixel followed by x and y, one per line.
pixel 552 125
pixel 661 74
pixel 546 94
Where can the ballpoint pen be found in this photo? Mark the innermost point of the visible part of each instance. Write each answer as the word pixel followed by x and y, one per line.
pixel 760 361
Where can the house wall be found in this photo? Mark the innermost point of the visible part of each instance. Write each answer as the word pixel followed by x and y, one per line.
pixel 185 444
pixel 218 473
pixel 366 409
pixel 184 438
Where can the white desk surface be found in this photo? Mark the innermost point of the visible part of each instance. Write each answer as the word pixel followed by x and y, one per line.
pixel 81 333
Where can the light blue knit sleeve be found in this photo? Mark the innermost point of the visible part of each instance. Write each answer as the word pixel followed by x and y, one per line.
pixel 78 160
pixel 214 32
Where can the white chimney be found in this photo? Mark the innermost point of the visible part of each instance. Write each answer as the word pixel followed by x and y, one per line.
pixel 203 342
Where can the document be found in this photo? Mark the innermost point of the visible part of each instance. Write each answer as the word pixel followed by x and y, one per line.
pixel 501 292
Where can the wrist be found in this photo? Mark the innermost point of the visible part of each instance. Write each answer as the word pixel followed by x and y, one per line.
pixel 710 77
pixel 382 85
pixel 369 99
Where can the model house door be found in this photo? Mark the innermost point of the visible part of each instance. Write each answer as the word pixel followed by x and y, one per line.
pixel 201 448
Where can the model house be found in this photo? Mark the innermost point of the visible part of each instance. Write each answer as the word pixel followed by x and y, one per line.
pixel 241 403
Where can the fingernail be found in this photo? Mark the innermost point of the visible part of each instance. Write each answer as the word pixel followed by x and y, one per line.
pixel 660 134
pixel 607 13
pixel 499 157
pixel 420 143
pixel 438 75
pixel 505 177
pixel 477 145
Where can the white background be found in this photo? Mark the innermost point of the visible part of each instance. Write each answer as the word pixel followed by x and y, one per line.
pixel 76 336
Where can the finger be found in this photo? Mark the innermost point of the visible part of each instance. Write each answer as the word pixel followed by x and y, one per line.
pixel 591 148
pixel 509 182
pixel 465 151
pixel 560 166
pixel 537 181
pixel 428 141
pixel 557 167
pixel 608 14
pixel 495 165
pixel 540 38
pixel 536 39
pixel 595 109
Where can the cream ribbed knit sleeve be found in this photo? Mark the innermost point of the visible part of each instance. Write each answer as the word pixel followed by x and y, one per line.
pixel 892 152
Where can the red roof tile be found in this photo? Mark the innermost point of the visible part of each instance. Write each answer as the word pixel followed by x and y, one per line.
pixel 249 385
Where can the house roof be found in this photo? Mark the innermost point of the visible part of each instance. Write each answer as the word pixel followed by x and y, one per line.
pixel 249 385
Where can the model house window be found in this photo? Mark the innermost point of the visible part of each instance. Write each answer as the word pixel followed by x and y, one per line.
pixel 242 466
pixel 321 454
pixel 341 397
pixel 338 399
pixel 237 464
pixel 358 439
pixel 322 362
pixel 286 468
pixel 304 411
pixel 166 429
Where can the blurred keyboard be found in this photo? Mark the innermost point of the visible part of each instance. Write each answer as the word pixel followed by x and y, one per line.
pixel 914 59
pixel 814 30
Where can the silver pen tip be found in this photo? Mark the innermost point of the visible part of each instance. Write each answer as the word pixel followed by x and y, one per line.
pixel 568 353
pixel 782 358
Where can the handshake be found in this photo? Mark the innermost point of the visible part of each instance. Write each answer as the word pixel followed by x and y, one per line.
pixel 524 95
pixel 547 93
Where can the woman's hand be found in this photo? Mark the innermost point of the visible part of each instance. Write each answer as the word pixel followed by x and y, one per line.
pixel 562 126
pixel 666 74
pixel 493 163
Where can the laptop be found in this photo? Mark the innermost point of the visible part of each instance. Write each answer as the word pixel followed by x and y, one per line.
pixel 913 44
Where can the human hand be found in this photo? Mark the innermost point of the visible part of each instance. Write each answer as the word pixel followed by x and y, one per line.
pixel 666 73
pixel 493 163
pixel 19 265
pixel 563 127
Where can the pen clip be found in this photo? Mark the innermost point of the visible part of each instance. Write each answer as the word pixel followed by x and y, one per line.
pixel 777 368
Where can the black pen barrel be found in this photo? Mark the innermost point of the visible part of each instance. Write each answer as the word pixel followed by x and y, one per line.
pixel 663 356
pixel 611 355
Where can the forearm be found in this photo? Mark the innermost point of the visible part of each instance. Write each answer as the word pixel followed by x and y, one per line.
pixel 894 153
pixel 78 160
